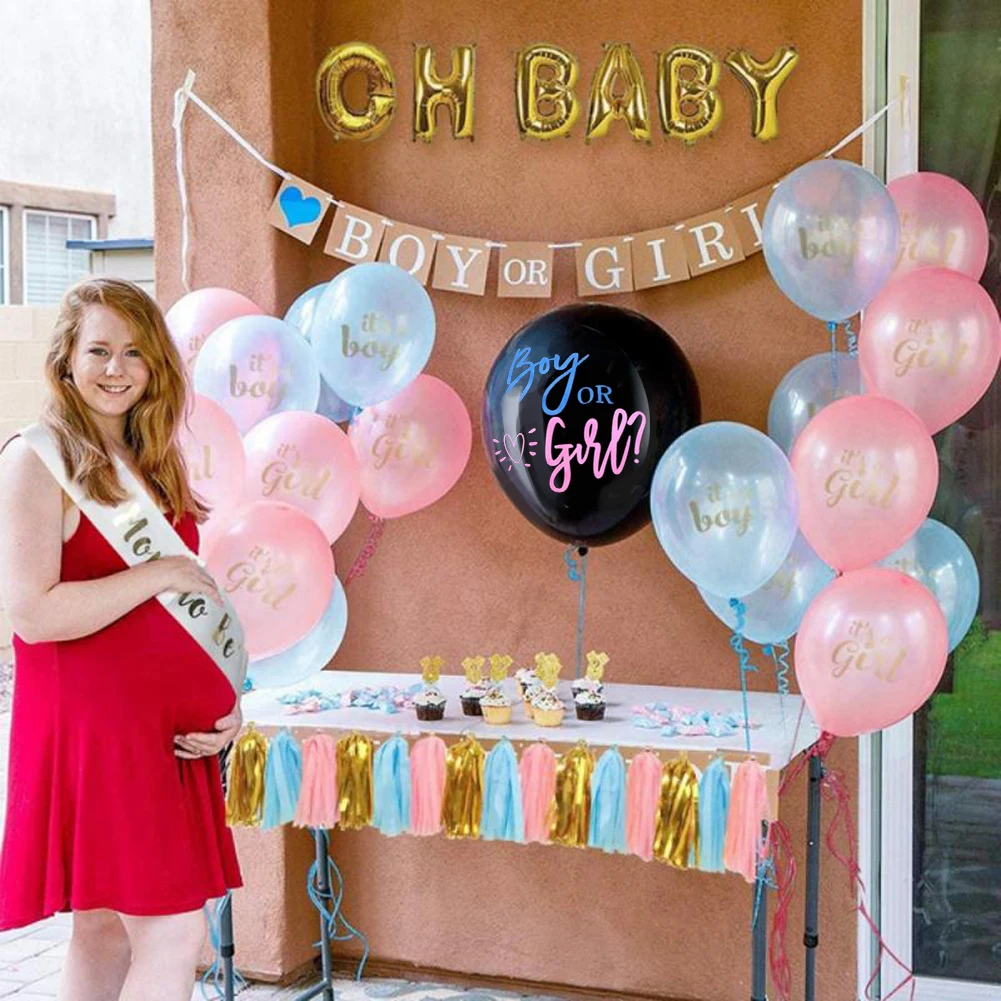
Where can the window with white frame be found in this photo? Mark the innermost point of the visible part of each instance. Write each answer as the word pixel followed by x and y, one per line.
pixel 4 256
pixel 49 267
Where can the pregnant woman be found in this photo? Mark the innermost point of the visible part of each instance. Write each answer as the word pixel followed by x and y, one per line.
pixel 123 696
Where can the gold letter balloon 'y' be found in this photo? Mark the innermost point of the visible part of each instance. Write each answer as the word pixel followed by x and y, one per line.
pixel 763 81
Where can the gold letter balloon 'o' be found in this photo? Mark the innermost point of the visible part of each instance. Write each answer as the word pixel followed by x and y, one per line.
pixel 545 77
pixel 455 91
pixel 618 92
pixel 690 108
pixel 380 85
pixel 763 81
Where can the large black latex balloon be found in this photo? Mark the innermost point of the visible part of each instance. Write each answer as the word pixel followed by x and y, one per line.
pixel 578 409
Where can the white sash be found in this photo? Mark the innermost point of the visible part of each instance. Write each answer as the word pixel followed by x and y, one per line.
pixel 139 532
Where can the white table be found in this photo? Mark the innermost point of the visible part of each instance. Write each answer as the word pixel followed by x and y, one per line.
pixel 782 728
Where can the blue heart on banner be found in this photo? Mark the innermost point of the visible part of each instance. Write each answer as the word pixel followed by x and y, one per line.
pixel 298 210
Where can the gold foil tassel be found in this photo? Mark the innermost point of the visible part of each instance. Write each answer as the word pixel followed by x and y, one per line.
pixel 462 802
pixel 572 817
pixel 245 793
pixel 354 781
pixel 676 841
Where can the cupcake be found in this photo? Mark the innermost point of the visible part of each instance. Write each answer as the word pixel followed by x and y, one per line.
pixel 589 705
pixel 496 708
pixel 430 705
pixel 547 710
pixel 529 694
pixel 525 678
pixel 471 698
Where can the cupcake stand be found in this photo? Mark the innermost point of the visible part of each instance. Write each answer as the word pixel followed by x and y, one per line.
pixel 781 729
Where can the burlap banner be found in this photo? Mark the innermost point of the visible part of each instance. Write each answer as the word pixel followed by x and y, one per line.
pixel 607 265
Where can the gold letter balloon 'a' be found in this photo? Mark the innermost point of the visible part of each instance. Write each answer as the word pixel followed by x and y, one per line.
pixel 618 92
pixel 380 89
pixel 545 77
pixel 763 81
pixel 455 91
pixel 690 108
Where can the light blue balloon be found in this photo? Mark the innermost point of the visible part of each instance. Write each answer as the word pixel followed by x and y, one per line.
pixel 774 612
pixel 830 237
pixel 805 390
pixel 724 507
pixel 311 654
pixel 300 315
pixel 372 331
pixel 256 366
pixel 937 557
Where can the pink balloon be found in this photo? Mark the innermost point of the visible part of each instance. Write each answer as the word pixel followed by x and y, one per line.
pixel 941 225
pixel 931 340
pixel 412 448
pixel 276 566
pixel 194 316
pixel 305 460
pixel 213 450
pixel 870 650
pixel 866 472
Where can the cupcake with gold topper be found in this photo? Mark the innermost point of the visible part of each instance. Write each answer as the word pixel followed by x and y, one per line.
pixel 475 688
pixel 496 706
pixel 594 677
pixel 429 703
pixel 547 709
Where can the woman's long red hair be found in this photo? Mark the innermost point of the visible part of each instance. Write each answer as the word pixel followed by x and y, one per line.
pixel 152 425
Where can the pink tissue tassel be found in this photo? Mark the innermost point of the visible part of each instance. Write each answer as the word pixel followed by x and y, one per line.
pixel 642 803
pixel 318 802
pixel 427 785
pixel 745 840
pixel 537 769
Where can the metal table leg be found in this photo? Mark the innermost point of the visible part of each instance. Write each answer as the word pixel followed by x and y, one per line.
pixel 325 987
pixel 226 947
pixel 810 929
pixel 759 939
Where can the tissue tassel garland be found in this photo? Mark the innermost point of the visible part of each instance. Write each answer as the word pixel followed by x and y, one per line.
pixel 245 797
pixel 427 785
pixel 462 805
pixel 572 820
pixel 391 778
pixel 643 803
pixel 676 840
pixel 318 800
pixel 354 781
pixel 282 781
pixel 537 770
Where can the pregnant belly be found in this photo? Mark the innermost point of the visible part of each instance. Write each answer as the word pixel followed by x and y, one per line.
pixel 145 667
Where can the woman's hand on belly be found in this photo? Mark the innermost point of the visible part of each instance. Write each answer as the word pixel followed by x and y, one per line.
pixel 204 745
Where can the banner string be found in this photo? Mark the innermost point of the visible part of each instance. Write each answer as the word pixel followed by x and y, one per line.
pixel 185 94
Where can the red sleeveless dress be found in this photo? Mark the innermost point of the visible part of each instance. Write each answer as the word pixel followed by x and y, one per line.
pixel 100 812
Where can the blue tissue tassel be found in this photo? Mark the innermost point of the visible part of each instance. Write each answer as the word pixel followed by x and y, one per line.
pixel 608 803
pixel 714 803
pixel 282 778
pixel 391 781
pixel 502 818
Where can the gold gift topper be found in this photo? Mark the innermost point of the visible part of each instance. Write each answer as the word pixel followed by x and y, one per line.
pixel 547 669
pixel 596 665
pixel 473 668
pixel 431 669
pixel 499 664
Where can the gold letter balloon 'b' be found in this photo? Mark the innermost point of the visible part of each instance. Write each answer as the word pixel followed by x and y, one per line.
pixel 763 81
pixel 455 91
pixel 545 77
pixel 380 89
pixel 690 108
pixel 618 91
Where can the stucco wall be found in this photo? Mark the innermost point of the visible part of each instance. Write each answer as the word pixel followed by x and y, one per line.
pixel 469 575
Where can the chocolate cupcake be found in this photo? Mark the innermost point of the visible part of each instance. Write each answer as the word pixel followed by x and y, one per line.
pixel 470 699
pixel 430 705
pixel 589 705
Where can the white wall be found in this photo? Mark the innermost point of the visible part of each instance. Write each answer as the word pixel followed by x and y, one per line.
pixel 75 80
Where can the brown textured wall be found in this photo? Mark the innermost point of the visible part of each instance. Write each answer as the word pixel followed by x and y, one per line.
pixel 469 575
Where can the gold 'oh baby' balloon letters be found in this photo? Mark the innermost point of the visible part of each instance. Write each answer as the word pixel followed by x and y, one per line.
pixel 546 102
